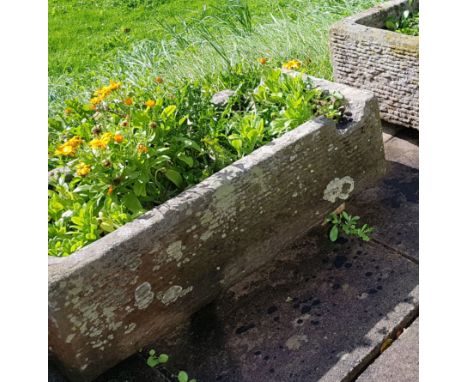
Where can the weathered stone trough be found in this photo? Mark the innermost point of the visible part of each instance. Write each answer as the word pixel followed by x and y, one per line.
pixel 138 283
pixel 366 56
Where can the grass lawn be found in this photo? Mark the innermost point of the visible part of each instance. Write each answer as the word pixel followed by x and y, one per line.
pixel 84 33
pixel 92 42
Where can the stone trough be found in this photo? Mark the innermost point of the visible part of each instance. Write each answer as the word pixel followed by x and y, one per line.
pixel 141 281
pixel 366 56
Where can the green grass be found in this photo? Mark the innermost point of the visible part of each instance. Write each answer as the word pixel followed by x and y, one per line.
pixel 84 33
pixel 88 44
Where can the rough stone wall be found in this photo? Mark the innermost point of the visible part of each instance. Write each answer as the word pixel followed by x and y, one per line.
pixel 379 60
pixel 138 283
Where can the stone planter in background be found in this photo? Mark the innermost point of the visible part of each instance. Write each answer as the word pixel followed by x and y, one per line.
pixel 138 283
pixel 366 56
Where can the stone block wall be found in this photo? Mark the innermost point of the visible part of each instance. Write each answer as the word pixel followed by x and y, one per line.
pixel 366 56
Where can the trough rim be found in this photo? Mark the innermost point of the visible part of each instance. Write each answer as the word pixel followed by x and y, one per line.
pixel 356 24
pixel 62 267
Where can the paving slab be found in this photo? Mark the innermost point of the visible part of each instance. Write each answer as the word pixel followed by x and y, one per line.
pixel 389 130
pixel 403 148
pixel 400 362
pixel 392 206
pixel 319 313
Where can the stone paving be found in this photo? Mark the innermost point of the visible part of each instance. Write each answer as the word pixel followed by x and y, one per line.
pixel 321 311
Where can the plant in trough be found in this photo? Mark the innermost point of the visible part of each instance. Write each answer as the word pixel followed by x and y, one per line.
pixel 129 149
pixel 347 223
pixel 406 23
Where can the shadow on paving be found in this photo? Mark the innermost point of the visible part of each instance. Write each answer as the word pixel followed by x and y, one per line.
pixel 319 312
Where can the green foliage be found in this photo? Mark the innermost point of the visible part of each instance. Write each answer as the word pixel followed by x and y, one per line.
pixel 347 223
pixel 136 148
pixel 155 360
pixel 407 23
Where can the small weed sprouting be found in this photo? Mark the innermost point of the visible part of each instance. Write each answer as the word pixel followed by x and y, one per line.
pixel 183 377
pixel 347 223
pixel 155 360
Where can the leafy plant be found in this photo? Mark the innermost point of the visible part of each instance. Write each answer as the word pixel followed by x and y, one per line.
pixel 155 360
pixel 129 149
pixel 348 224
pixel 407 23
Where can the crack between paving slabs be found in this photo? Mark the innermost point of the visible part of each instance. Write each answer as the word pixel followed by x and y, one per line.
pixel 398 252
pixel 375 355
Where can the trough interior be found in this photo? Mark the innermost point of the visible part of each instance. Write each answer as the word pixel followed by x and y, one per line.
pixel 377 19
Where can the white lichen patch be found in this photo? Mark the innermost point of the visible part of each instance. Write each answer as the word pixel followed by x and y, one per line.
pixel 129 328
pixel 295 342
pixel 172 294
pixel 174 250
pixel 338 189
pixel 70 338
pixel 143 295
pixel 206 235
pixel 134 262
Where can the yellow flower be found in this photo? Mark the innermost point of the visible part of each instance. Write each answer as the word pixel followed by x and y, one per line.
pixel 150 103
pixel 114 85
pixel 128 101
pixel 142 149
pixel 65 150
pixel 263 60
pixel 102 93
pixel 293 64
pixel 68 110
pixel 75 141
pixel 118 138
pixel 69 147
pixel 101 143
pixel 83 169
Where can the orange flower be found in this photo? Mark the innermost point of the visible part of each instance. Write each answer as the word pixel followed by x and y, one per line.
pixel 142 149
pixel 110 190
pixel 159 80
pixel 150 103
pixel 118 138
pixel 128 101
pixel 68 110
pixel 263 60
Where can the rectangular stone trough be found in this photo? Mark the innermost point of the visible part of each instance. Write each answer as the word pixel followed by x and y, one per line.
pixel 366 56
pixel 138 283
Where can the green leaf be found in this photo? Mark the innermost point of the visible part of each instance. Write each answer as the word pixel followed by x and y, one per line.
pixel 131 201
pixel 139 188
pixel 334 233
pixel 390 25
pixel 174 176
pixel 188 143
pixel 186 159
pixel 168 111
pixel 152 361
pixel 183 376
pixel 163 358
